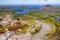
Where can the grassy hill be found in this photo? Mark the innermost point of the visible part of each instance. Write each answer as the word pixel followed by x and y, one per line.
pixel 34 14
pixel 43 14
pixel 39 15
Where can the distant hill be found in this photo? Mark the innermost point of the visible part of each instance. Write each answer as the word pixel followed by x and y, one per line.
pixel 51 8
pixel 8 6
pixel 13 7
pixel 45 13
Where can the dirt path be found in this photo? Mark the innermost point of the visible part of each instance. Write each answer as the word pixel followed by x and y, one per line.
pixel 46 28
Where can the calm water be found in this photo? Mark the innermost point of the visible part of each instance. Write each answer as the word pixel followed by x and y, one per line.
pixel 24 9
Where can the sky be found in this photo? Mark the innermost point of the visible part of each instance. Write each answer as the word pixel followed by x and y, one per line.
pixel 10 2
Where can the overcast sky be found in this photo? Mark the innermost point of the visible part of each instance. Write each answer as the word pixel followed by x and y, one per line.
pixel 2 2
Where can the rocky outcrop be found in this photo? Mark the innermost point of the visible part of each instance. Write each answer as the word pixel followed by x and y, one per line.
pixel 8 19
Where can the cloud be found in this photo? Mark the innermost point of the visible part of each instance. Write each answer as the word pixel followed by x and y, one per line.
pixel 29 2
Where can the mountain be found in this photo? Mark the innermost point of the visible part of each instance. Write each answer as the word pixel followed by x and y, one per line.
pixel 51 8
pixel 13 7
pixel 9 6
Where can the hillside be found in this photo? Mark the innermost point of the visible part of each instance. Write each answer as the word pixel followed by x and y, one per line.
pixel 38 17
pixel 43 14
pixel 51 8
pixel 33 13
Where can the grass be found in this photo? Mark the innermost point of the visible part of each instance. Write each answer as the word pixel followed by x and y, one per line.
pixel 48 17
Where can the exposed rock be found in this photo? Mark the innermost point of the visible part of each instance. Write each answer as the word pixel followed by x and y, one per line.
pixel 8 19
